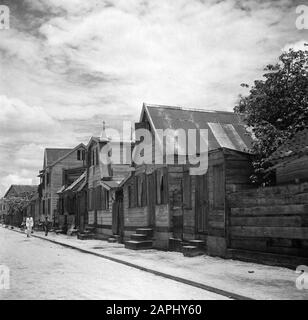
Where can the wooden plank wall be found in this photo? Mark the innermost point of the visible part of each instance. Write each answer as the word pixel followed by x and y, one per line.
pixel 270 220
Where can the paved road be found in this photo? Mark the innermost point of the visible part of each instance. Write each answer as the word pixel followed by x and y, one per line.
pixel 42 270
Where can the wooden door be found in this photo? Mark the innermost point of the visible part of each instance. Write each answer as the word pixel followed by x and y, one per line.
pixel 151 195
pixel 201 203
pixel 177 210
pixel 118 216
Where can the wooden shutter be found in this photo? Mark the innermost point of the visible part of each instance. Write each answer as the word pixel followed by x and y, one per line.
pixel 144 191
pixel 219 187
pixel 135 192
pixel 158 186
pixel 165 186
pixel 97 156
pixel 187 190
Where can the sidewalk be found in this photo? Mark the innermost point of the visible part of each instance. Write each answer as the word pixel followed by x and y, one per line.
pixel 249 280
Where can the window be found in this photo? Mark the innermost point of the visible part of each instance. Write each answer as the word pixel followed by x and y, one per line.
pixel 97 156
pixel 129 193
pixel 106 198
pixel 140 190
pixel 144 192
pixel 78 155
pixel 48 178
pixel 91 199
pixel 93 157
pixel 136 192
pixel 162 186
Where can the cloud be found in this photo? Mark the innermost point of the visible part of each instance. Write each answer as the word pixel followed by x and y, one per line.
pixel 67 65
pixel 299 45
pixel 16 116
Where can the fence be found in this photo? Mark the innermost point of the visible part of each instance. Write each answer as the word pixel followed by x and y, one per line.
pixel 272 221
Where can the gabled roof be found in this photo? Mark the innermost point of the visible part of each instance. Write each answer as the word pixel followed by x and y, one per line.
pixel 20 190
pixel 54 156
pixel 92 139
pixel 294 147
pixel 225 129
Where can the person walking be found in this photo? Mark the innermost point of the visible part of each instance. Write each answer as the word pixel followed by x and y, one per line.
pixel 29 226
pixel 46 226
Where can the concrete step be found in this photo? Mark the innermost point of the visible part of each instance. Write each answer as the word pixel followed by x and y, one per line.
pixel 86 236
pixel 139 237
pixel 139 245
pixel 145 231
pixel 112 240
pixel 192 251
pixel 201 244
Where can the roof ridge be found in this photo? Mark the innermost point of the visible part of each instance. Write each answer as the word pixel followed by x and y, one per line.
pixel 187 108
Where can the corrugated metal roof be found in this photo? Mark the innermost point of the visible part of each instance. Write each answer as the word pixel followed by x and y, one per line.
pixel 112 184
pixel 75 186
pixel 225 129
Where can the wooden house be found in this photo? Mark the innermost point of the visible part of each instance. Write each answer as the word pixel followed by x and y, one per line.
pixel 103 182
pixel 290 160
pixel 164 205
pixel 73 202
pixel 56 161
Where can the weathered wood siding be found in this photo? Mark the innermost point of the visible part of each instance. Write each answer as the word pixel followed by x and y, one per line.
pixel 270 220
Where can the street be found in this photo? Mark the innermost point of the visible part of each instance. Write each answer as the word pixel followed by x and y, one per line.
pixel 42 270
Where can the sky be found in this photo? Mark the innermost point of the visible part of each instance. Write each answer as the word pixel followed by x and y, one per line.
pixel 67 66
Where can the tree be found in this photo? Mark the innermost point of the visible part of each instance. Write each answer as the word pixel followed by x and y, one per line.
pixel 17 204
pixel 276 108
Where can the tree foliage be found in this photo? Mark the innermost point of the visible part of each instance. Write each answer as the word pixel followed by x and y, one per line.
pixel 276 108
pixel 18 203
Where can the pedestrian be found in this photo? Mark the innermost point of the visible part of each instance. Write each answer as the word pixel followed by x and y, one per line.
pixel 29 226
pixel 46 226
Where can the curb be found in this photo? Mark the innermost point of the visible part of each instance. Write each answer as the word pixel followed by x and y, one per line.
pixel 202 286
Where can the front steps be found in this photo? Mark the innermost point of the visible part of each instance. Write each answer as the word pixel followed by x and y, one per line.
pixel 190 248
pixel 87 234
pixel 141 240
pixel 114 239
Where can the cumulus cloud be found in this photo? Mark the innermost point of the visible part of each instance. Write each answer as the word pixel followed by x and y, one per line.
pixel 67 64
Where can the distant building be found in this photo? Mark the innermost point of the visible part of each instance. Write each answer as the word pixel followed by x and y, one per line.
pixel 103 183
pixel 56 162
pixel 290 160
